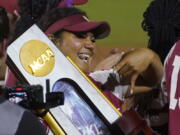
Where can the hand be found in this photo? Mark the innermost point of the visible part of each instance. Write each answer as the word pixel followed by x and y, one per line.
pixel 114 51
pixel 17 15
pixel 128 104
pixel 137 90
pixel 109 62
pixel 133 63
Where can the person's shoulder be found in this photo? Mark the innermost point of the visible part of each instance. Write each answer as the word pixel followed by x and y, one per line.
pixel 178 42
pixel 177 47
pixel 175 50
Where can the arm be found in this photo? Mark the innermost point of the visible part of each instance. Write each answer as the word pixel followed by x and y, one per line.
pixel 154 73
pixel 143 65
pixel 140 64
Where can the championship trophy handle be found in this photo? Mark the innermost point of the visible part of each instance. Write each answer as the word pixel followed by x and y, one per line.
pixel 54 126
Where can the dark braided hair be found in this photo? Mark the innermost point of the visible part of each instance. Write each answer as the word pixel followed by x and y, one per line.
pixel 30 11
pixel 4 24
pixel 162 23
pixel 45 14
pixel 32 8
pixel 36 8
pixel 52 4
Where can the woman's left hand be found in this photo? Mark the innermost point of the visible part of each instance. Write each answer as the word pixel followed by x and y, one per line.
pixel 133 63
pixel 109 62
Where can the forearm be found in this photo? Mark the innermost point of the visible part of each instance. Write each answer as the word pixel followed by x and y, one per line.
pixel 154 72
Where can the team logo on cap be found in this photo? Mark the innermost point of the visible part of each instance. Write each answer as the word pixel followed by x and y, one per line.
pixel 37 58
pixel 86 18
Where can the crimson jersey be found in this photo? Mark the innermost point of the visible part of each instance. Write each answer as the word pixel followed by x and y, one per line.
pixel 172 86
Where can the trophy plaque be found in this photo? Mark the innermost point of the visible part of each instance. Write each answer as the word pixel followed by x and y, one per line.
pixel 86 111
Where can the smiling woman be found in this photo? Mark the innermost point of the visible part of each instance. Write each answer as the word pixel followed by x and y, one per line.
pixel 79 49
pixel 74 34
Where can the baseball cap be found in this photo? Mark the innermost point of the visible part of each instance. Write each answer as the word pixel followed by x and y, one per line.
pixel 9 5
pixel 80 23
pixel 70 3
pixel 79 2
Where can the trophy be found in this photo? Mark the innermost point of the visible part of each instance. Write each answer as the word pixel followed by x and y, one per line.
pixel 33 58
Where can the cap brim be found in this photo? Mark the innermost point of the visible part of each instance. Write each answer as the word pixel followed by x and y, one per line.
pixel 79 2
pixel 99 29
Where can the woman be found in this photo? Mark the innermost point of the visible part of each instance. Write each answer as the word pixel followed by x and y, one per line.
pixel 75 36
pixel 162 22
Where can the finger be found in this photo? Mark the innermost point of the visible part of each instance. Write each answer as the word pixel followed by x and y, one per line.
pixel 133 82
pixel 126 77
pixel 16 14
pixel 109 62
pixel 142 89
pixel 138 90
pixel 124 81
pixel 124 69
pixel 119 65
pixel 129 103
pixel 114 51
pixel 128 74
pixel 127 94
pixel 115 58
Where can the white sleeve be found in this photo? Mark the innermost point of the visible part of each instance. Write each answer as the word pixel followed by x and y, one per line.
pixel 102 76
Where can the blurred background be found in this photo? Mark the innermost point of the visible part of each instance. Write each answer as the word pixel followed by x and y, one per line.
pixel 124 16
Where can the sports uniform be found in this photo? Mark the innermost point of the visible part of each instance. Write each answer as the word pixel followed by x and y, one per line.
pixel 171 84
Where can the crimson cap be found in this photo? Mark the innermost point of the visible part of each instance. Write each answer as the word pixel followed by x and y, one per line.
pixel 9 5
pixel 70 3
pixel 79 2
pixel 80 23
